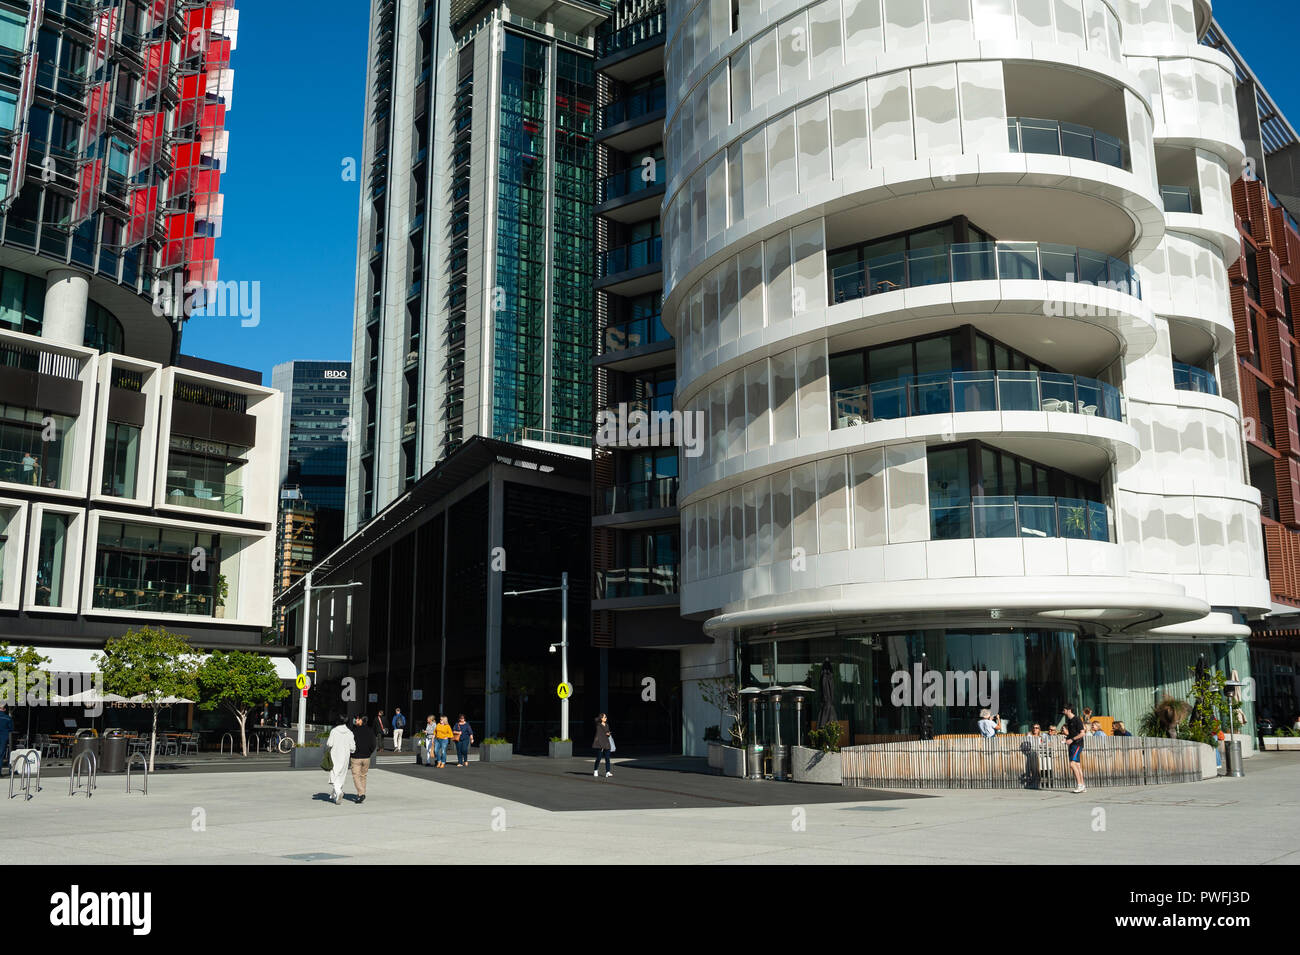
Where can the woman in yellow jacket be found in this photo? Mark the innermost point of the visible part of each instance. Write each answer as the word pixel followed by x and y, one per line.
pixel 441 736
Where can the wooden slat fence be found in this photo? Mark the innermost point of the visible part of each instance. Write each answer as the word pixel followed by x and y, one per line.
pixel 1016 762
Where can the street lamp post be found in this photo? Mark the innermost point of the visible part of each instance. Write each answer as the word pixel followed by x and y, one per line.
pixel 564 640
pixel 306 636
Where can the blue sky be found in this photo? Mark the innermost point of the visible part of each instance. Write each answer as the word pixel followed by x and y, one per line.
pixel 291 219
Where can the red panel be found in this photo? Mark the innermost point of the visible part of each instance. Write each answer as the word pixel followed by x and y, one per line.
pixel 192 90
pixel 89 177
pixel 157 56
pixel 144 210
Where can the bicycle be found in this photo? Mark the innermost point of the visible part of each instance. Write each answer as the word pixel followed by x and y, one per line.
pixel 281 741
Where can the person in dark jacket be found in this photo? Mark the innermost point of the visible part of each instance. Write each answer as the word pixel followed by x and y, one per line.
pixel 6 728
pixel 377 725
pixel 603 744
pixel 365 738
pixel 463 734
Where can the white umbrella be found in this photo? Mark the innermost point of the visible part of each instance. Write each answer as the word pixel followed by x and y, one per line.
pixel 88 696
pixel 166 699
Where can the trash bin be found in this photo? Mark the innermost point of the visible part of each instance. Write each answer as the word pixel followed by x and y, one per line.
pixel 1234 767
pixel 113 752
pixel 86 744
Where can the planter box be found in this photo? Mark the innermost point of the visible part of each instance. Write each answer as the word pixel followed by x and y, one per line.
pixel 494 752
pixel 419 752
pixel 715 755
pixel 1282 743
pixel 814 766
pixel 563 749
pixel 306 757
pixel 733 762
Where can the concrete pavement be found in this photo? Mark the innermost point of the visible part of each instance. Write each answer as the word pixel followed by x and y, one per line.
pixel 417 816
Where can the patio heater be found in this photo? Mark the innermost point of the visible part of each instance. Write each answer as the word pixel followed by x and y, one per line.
pixel 799 691
pixel 754 750
pixel 778 750
pixel 1231 747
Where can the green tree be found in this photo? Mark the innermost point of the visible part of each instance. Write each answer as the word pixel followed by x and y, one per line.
pixel 26 664
pixel 153 664
pixel 723 693
pixel 237 682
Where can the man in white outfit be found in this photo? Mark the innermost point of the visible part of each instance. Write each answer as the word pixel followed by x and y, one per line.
pixel 341 745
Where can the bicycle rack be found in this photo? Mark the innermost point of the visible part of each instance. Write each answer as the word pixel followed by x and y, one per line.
pixel 77 782
pixel 231 737
pixel 25 760
pixel 144 766
pixel 255 742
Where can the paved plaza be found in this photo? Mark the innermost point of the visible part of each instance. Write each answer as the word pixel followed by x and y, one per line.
pixel 537 810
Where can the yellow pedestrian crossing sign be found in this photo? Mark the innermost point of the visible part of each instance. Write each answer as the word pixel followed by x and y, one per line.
pixel 564 691
pixel 302 682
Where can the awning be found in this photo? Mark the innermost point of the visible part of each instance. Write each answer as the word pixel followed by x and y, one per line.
pixel 81 660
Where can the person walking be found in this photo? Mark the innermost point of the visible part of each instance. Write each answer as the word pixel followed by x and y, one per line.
pixel 377 727
pixel 1074 734
pixel 463 734
pixel 603 744
pixel 365 738
pixel 429 732
pixel 399 724
pixel 442 734
pixel 341 743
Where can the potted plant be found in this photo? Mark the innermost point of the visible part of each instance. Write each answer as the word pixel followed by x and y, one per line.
pixel 713 743
pixel 219 597
pixel 494 749
pixel 820 760
pixel 309 754
pixel 723 693
pixel 1283 739
pixel 419 738
pixel 559 748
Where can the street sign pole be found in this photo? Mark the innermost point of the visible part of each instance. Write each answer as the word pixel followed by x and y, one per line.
pixel 306 624
pixel 564 652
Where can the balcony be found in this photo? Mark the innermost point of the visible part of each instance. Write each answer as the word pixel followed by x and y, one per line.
pixel 633 268
pixel 1191 378
pixel 962 391
pixel 658 494
pixel 1009 516
pixel 634 121
pixel 633 194
pixel 660 580
pixel 208 495
pixel 630 344
pixel 982 262
pixel 147 596
pixel 645 30
pixel 1049 137
pixel 1180 199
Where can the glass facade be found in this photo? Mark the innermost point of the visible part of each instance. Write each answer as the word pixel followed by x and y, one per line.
pixel 25 457
pixel 121 459
pixel 153 569
pixel 51 560
pixel 884 683
pixel 572 332
pixel 519 302
pixel 205 474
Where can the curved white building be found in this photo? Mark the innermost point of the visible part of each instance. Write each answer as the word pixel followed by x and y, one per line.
pixel 949 285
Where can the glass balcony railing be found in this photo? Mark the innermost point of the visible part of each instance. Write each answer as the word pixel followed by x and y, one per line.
pixel 1010 516
pixel 654 581
pixel 1052 138
pixel 982 262
pixel 634 255
pixel 569 438
pixel 961 391
pixel 628 182
pixel 638 496
pixel 147 596
pixel 634 333
pixel 660 403
pixel 227 498
pixel 639 31
pixel 629 108
pixel 1180 199
pixel 1191 378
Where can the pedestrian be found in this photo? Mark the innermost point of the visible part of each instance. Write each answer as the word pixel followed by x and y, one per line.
pixel 429 727
pixel 442 734
pixel 1053 731
pixel 988 724
pixel 377 727
pixel 1096 728
pixel 341 743
pixel 1120 729
pixel 603 744
pixel 463 734
pixel 1074 735
pixel 399 724
pixel 6 728
pixel 1036 734
pixel 365 738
